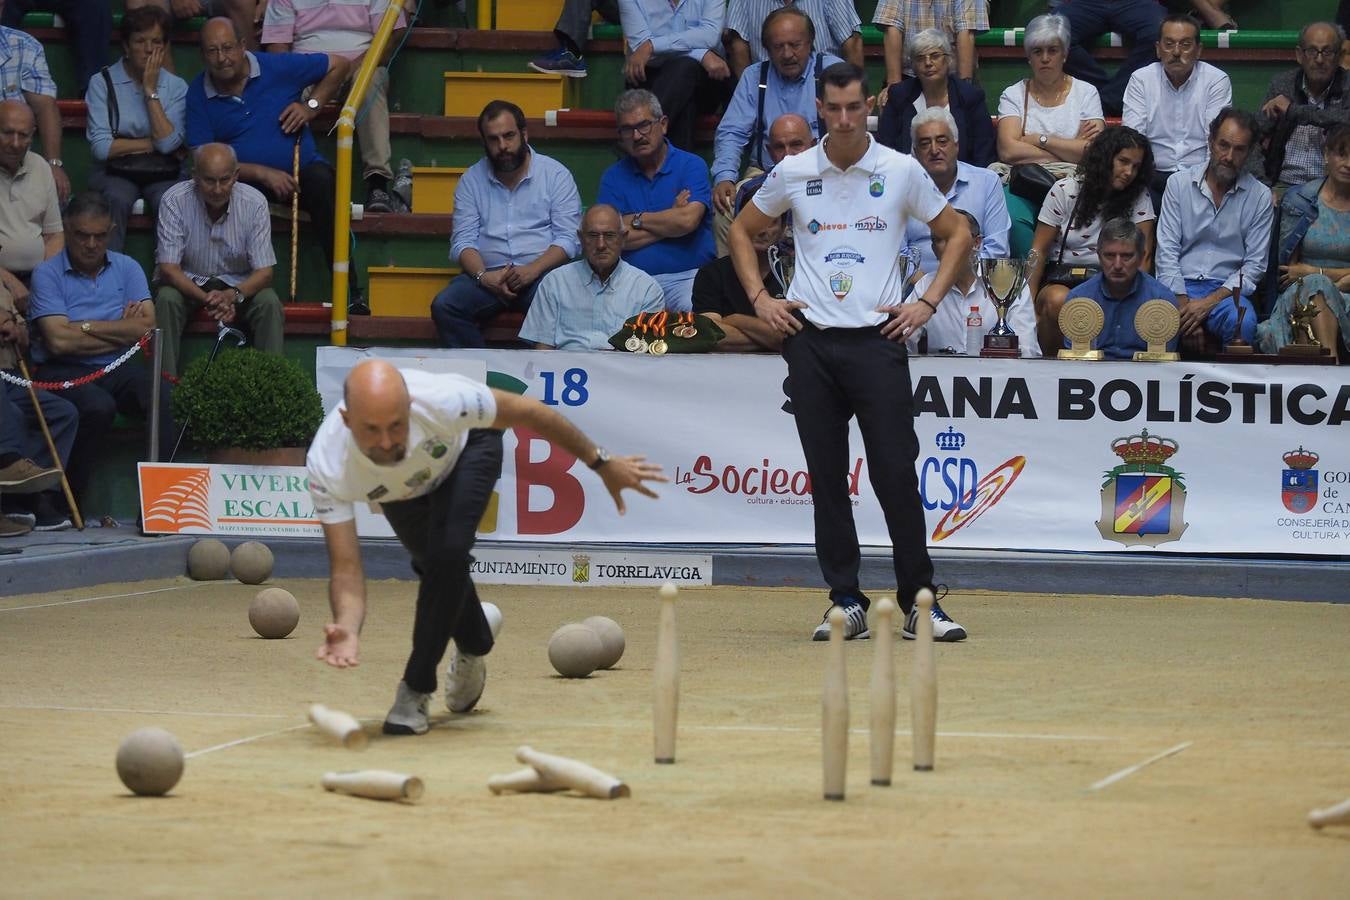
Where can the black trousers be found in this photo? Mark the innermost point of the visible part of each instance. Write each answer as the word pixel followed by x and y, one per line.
pixel 684 89
pixel 126 389
pixel 834 375
pixel 318 188
pixel 439 529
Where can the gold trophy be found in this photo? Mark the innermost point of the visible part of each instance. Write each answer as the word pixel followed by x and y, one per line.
pixel 1081 320
pixel 1157 322
pixel 1003 281
pixel 1305 309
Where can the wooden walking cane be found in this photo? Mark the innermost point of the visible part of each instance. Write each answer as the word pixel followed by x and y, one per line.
pixel 295 212
pixel 51 446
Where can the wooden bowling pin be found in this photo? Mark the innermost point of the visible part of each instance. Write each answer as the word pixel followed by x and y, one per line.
pixel 1332 815
pixel 524 781
pixel 883 692
pixel 834 710
pixel 339 726
pixel 923 686
pixel 573 774
pixel 666 695
pixel 376 784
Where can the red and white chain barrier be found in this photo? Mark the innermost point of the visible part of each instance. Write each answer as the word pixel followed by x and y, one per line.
pixel 83 379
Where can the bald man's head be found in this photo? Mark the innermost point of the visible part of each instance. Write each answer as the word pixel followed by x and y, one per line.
pixel 789 135
pixel 377 410
pixel 16 133
pixel 602 238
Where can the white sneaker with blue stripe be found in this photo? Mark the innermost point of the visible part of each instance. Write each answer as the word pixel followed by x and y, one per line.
pixel 855 624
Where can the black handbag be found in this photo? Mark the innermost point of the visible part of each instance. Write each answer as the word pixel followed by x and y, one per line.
pixel 139 168
pixel 1030 181
pixel 1060 272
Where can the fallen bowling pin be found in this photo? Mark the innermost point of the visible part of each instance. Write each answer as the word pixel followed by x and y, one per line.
pixel 1332 815
pixel 573 774
pixel 524 781
pixel 339 726
pixel 375 784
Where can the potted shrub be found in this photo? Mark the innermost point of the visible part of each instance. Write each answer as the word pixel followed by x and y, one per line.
pixel 249 407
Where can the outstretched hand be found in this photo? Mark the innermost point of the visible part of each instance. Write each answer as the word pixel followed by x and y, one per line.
pixel 629 472
pixel 340 647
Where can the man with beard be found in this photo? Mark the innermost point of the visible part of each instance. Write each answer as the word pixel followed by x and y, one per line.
pixel 1213 233
pixel 428 448
pixel 516 218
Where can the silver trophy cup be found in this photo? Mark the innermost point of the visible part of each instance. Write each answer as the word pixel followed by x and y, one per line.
pixel 1003 279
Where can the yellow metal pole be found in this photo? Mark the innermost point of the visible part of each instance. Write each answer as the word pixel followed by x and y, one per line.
pixel 346 129
pixel 484 15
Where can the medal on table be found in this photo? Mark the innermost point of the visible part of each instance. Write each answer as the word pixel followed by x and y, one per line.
pixel 658 347
pixel 635 344
pixel 684 326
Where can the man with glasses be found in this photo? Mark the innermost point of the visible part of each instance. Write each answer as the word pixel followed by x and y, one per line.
pixel 1302 104
pixel 90 307
pixel 1137 21
pixel 580 305
pixel 664 196
pixel 30 216
pixel 1172 101
pixel 516 218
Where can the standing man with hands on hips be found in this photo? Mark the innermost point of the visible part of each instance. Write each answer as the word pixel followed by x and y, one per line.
pixel 845 329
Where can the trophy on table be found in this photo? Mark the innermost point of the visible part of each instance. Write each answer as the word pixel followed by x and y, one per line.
pixel 1237 344
pixel 1003 280
pixel 781 263
pixel 1081 320
pixel 1157 322
pixel 1301 316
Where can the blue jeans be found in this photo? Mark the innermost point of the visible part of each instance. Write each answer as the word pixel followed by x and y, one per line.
pixel 1137 21
pixel 19 429
pixel 1222 319
pixel 458 310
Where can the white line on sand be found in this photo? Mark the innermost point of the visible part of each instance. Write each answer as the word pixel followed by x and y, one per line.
pixel 1130 770
pixel 149 712
pixel 176 587
pixel 246 740
pixel 993 735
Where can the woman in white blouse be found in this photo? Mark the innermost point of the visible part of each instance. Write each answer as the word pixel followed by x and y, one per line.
pixel 1049 118
pixel 1111 182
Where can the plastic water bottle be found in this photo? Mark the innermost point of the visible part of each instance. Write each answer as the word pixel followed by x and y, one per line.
pixel 974 331
pixel 403 183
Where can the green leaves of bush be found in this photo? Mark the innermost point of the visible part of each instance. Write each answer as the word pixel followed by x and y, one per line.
pixel 248 399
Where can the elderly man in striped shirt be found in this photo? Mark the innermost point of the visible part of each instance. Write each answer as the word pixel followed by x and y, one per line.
pixel 215 250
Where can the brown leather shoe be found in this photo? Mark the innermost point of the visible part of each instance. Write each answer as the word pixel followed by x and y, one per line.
pixel 11 528
pixel 23 476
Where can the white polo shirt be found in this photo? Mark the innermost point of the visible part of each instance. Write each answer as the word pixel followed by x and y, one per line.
pixel 444 408
pixel 848 228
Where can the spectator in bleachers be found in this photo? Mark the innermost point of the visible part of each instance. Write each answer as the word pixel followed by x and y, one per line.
pixel 930 52
pixel 959 20
pixel 245 14
pixel 30 217
pixel 1172 101
pixel 1214 234
pixel 1302 104
pixel 675 51
pixel 1137 21
pixel 90 306
pixel 1120 288
pixel 141 154
pixel 516 218
pixel 719 295
pixel 936 140
pixel 579 306
pixel 1314 247
pixel 253 103
pixel 31 490
pixel 665 198
pixel 88 25
pixel 346 29
pixel 214 249
pixel 1111 183
pixel 787 87
pixel 835 26
pixel 24 77
pixel 789 135
pixel 1049 118
pixel 572 31
pixel 948 329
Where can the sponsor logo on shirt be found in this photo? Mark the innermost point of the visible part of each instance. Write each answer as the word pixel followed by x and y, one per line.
pixel 377 493
pixel 816 227
pixel 846 257
pixel 419 479
pixel 841 283
pixel 814 187
pixel 870 223
pixel 434 447
pixel 876 185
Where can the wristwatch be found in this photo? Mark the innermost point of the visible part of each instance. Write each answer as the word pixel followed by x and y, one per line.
pixel 1043 139
pixel 56 163
pixel 601 457
pixel 312 104
pixel 87 327
pixel 153 95
pixel 637 222
pixel 238 296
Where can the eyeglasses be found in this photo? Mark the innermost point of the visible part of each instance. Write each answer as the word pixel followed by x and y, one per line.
pixel 1185 46
pixel 609 237
pixel 640 128
pixel 1320 53
pixel 933 58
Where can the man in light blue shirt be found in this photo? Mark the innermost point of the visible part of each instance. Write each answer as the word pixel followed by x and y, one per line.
pixel 1214 235
pixel 516 219
pixel 936 143
pixel 675 51
pixel 580 305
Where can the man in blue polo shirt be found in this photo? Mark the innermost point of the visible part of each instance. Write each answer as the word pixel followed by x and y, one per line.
pixel 664 196
pixel 254 103
pixel 1120 289
pixel 90 306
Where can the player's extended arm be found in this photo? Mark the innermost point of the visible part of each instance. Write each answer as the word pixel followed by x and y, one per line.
pixel 346 596
pixel 619 473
